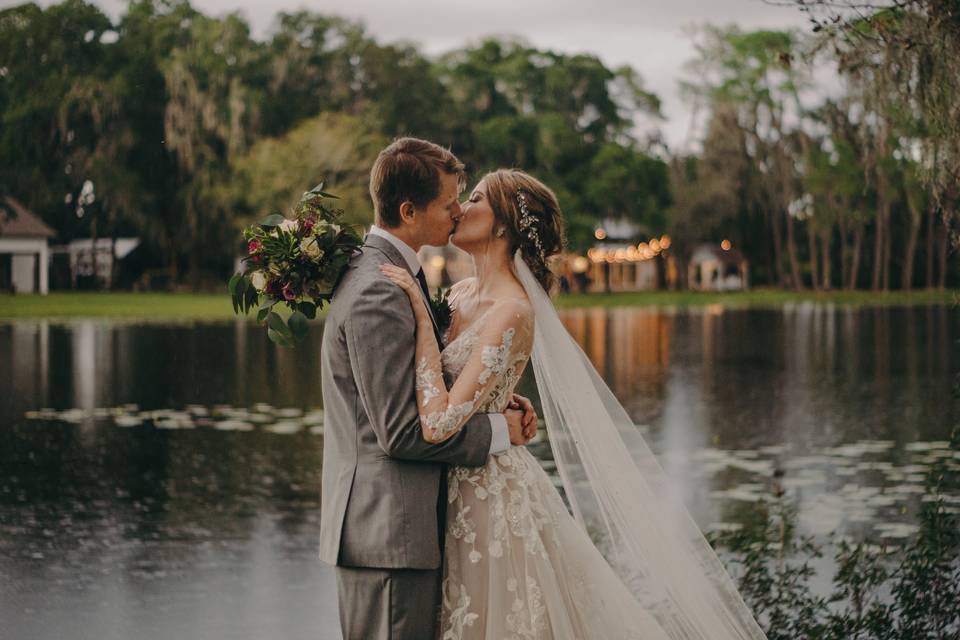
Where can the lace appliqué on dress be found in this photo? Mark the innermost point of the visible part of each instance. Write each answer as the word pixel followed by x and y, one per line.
pixel 499 362
pixel 426 382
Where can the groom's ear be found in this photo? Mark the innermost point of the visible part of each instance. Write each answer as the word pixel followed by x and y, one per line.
pixel 407 211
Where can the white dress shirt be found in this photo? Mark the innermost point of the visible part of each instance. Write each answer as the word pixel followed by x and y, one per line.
pixel 500 433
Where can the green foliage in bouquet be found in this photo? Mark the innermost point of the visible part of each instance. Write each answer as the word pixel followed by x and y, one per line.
pixel 295 262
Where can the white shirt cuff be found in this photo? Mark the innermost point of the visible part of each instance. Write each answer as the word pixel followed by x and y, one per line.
pixel 499 433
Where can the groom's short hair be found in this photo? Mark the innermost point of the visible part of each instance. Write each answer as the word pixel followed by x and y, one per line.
pixel 409 169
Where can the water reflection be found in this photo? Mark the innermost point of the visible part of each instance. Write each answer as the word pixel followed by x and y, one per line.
pixel 163 480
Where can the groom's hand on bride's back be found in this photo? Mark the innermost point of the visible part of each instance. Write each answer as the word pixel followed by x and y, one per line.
pixel 515 426
pixel 529 414
pixel 521 420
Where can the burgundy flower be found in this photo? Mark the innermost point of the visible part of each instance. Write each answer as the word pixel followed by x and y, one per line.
pixel 288 292
pixel 307 224
pixel 272 287
pixel 254 246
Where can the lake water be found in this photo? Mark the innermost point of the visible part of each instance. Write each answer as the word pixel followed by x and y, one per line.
pixel 162 480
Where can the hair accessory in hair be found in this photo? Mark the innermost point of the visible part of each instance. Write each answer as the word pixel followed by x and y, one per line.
pixel 528 223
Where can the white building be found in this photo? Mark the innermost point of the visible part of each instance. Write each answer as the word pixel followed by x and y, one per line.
pixel 717 268
pixel 24 256
pixel 87 261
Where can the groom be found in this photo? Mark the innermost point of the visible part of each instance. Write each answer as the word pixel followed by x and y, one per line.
pixel 384 487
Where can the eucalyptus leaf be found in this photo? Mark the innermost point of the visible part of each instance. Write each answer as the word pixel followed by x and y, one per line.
pixel 279 338
pixel 251 298
pixel 272 220
pixel 299 325
pixel 276 323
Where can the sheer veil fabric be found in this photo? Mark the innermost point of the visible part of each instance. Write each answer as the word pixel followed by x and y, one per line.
pixel 618 492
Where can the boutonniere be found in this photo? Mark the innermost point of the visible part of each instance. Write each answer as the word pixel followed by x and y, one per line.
pixel 441 309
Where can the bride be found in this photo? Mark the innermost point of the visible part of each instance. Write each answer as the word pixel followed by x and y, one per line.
pixel 517 564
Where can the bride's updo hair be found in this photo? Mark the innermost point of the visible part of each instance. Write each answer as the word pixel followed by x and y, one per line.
pixel 511 193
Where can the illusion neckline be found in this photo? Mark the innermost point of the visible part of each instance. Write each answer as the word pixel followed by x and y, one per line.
pixel 469 328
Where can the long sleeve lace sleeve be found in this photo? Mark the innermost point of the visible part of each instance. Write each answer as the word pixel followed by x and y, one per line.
pixel 499 348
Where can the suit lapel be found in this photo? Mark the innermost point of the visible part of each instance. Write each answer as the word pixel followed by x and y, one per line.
pixel 385 247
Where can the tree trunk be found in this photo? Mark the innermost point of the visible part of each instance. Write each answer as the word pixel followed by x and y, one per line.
pixel 792 254
pixel 878 249
pixel 777 249
pixel 881 241
pixel 931 227
pixel 844 252
pixel 825 255
pixel 887 250
pixel 814 254
pixel 942 252
pixel 906 282
pixel 855 262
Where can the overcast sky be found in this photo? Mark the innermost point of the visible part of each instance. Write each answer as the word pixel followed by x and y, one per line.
pixel 649 35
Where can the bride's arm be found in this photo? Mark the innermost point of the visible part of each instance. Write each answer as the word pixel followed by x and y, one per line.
pixel 502 344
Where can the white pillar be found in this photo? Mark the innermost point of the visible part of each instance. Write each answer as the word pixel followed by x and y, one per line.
pixel 44 257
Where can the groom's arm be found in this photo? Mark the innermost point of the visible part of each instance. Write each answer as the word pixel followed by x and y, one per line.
pixel 380 339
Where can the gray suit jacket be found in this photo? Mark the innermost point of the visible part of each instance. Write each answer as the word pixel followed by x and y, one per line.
pixel 381 480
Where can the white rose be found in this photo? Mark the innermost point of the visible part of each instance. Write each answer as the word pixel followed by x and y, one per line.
pixel 258 280
pixel 310 248
pixel 289 225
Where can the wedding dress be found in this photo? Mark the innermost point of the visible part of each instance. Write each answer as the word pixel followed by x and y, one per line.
pixel 518 565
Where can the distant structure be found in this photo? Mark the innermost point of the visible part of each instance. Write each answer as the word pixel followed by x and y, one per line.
pixel 617 262
pixel 717 267
pixel 89 266
pixel 24 255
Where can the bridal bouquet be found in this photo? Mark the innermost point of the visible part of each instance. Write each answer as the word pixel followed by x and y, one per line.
pixel 294 262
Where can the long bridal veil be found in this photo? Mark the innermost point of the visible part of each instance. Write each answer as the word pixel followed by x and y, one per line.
pixel 619 493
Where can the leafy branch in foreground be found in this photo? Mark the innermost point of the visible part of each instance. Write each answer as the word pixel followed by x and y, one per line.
pixel 879 592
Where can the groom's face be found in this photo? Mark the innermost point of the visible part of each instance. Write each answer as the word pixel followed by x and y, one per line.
pixel 436 220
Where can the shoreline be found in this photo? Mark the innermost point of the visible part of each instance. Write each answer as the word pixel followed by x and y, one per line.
pixel 216 306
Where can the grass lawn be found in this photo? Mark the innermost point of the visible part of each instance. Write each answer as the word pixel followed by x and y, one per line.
pixel 147 306
pixel 760 298
pixel 190 306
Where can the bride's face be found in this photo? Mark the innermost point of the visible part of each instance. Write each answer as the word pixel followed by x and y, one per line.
pixel 474 230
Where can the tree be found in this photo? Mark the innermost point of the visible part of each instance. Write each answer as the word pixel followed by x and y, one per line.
pixel 337 149
pixel 911 49
pixel 43 54
pixel 211 116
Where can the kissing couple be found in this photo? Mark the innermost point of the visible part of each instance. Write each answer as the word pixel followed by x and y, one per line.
pixel 438 520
